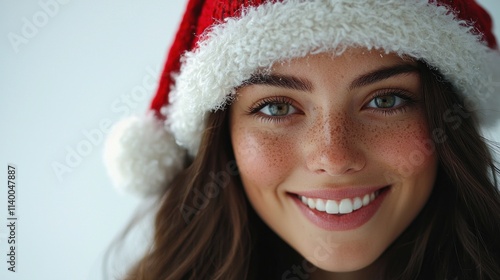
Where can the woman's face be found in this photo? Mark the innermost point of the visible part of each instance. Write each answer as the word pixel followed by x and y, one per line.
pixel 335 153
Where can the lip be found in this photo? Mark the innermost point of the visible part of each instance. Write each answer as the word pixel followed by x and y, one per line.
pixel 333 222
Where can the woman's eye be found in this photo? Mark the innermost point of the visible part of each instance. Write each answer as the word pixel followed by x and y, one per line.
pixel 278 109
pixel 386 102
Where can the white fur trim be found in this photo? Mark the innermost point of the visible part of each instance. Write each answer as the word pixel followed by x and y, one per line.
pixel 231 52
pixel 141 156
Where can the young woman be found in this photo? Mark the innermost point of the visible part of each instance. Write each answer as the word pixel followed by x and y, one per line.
pixel 320 140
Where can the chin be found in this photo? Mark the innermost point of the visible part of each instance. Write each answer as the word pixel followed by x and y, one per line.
pixel 330 255
pixel 342 264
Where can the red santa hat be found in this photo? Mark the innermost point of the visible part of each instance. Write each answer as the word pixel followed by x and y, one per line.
pixel 221 43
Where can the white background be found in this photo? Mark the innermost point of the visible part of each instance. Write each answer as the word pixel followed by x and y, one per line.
pixel 83 67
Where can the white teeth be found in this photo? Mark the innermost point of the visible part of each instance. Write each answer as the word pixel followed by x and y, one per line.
pixel 311 203
pixel 357 203
pixel 345 206
pixel 366 199
pixel 332 207
pixel 320 205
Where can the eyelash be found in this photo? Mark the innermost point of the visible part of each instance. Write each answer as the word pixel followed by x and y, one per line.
pixel 255 108
pixel 408 101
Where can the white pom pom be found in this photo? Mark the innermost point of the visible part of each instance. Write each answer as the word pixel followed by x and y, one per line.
pixel 141 156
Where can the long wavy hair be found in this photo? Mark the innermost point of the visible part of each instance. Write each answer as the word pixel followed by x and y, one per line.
pixel 205 228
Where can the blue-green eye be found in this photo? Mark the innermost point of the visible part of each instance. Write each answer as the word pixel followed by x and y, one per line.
pixel 389 101
pixel 276 109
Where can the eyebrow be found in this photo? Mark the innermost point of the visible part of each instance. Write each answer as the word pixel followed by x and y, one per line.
pixel 296 83
pixel 283 81
pixel 382 74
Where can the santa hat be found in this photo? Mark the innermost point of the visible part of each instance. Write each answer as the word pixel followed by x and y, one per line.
pixel 221 43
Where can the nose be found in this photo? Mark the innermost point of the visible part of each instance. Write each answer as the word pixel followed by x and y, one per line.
pixel 333 147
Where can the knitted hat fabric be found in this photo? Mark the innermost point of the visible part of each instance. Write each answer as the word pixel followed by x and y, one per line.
pixel 221 43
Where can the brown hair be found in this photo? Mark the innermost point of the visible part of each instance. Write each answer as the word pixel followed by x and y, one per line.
pixel 204 228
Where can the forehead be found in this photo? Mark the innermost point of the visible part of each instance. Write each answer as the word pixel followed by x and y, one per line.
pixel 353 59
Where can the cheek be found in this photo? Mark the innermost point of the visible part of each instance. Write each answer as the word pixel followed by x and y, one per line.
pixel 262 157
pixel 406 149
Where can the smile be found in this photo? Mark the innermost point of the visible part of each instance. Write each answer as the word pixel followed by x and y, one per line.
pixel 340 210
pixel 343 206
